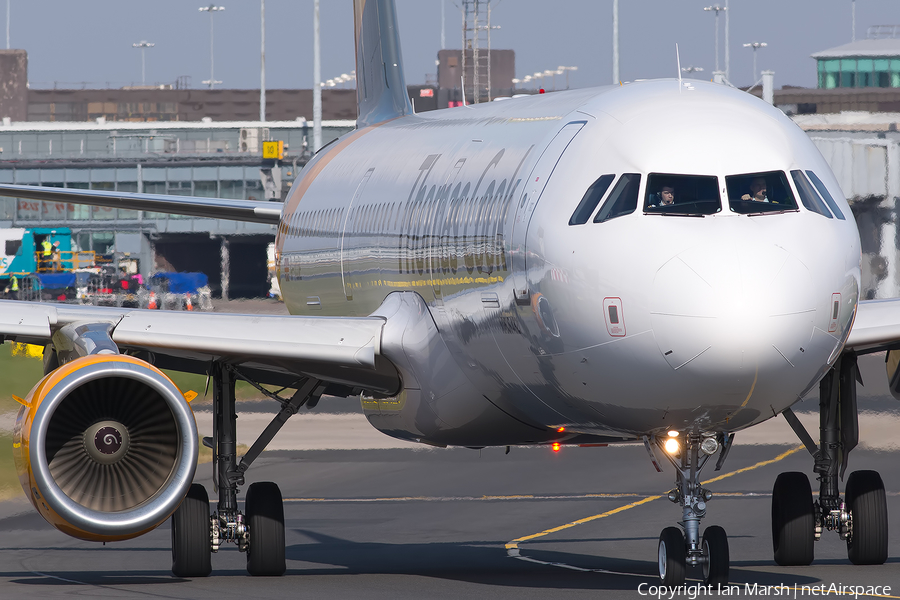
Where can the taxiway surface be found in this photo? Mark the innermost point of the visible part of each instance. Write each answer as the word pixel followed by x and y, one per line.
pixel 430 523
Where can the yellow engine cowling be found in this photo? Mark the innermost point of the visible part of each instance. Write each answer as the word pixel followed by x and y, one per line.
pixel 105 447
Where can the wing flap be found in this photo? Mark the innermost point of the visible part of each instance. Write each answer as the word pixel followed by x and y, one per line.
pixel 32 321
pixel 214 208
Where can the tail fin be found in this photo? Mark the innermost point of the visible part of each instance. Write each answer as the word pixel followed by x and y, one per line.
pixel 380 86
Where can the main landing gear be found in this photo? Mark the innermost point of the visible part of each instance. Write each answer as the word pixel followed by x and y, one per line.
pixel 860 517
pixel 259 530
pixel 679 548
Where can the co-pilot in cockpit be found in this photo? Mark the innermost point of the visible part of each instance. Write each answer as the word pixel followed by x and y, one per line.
pixel 753 193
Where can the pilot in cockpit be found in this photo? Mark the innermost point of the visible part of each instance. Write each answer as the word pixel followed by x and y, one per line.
pixel 757 190
pixel 664 197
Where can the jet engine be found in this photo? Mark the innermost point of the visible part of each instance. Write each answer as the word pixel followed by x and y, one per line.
pixel 105 447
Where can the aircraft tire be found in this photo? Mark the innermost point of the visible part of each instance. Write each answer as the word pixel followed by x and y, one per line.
pixel 793 520
pixel 866 501
pixel 265 520
pixel 715 549
pixel 191 552
pixel 671 557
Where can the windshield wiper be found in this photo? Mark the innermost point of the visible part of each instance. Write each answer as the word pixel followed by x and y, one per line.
pixel 676 214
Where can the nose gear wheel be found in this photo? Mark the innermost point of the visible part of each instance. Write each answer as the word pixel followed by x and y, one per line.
pixel 671 557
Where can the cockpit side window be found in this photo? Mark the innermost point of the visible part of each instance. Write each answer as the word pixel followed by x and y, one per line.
pixel 808 195
pixel 755 193
pixel 622 200
pixel 670 194
pixel 823 191
pixel 591 199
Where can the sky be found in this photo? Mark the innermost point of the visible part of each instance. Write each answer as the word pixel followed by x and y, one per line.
pixel 88 43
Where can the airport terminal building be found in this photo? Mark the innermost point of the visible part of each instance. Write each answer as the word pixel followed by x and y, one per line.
pixel 209 159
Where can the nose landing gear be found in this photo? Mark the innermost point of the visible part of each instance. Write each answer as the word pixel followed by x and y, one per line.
pixel 860 518
pixel 679 548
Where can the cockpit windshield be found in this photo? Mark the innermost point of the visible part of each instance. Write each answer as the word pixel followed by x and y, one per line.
pixel 754 193
pixel 692 195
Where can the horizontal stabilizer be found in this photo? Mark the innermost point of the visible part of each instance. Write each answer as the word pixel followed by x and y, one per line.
pixel 251 211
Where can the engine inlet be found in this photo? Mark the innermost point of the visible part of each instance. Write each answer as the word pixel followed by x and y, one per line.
pixel 112 443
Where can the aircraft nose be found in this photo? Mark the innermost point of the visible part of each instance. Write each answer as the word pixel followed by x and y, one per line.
pixel 732 313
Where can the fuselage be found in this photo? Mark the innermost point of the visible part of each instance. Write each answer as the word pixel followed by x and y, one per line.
pixel 564 294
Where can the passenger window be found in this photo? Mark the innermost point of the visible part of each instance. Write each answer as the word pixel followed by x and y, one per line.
pixel 756 193
pixel 808 195
pixel 591 199
pixel 823 191
pixel 623 199
pixel 671 194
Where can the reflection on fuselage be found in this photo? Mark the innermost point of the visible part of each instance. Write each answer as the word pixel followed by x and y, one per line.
pixel 521 230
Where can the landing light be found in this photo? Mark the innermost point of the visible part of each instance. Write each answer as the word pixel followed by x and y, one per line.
pixel 709 446
pixel 672 446
pixel 673 434
pixel 556 446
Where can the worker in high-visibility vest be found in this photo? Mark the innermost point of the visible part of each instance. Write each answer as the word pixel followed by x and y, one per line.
pixel 13 287
pixel 47 248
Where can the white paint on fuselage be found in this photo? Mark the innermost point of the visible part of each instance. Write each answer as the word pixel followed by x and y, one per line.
pixel 740 303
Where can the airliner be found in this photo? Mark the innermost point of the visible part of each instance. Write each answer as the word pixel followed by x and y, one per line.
pixel 664 262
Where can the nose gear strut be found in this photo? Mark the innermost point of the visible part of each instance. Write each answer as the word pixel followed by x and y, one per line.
pixel 679 548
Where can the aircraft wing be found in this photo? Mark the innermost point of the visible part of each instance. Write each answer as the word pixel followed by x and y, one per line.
pixel 214 208
pixel 343 351
pixel 876 327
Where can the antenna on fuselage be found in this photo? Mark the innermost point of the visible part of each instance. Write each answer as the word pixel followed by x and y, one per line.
pixel 678 66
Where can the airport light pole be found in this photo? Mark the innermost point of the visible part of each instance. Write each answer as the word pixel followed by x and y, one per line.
pixel 211 9
pixel 566 70
pixel 756 46
pixel 615 42
pixel 552 74
pixel 727 44
pixel 317 81
pixel 143 45
pixel 262 61
pixel 717 9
